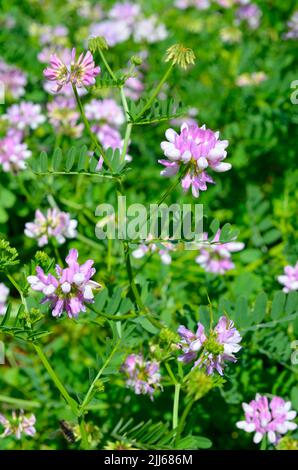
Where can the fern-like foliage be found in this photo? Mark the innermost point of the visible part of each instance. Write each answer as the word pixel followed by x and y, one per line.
pixel 160 111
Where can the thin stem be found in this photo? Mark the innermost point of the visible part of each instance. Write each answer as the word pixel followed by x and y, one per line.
pixel 19 403
pixel 71 402
pixel 128 126
pixel 88 128
pixel 110 177
pixel 93 384
pixel 170 372
pixel 110 252
pixel 103 58
pixel 176 405
pixel 155 92
pixel 84 435
pixel 183 418
pixel 23 299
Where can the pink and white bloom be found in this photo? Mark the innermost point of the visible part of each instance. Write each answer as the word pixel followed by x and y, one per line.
pixel 55 224
pixel 149 247
pixel 149 30
pixel 251 14
pixel 290 278
pixel 4 293
pixel 13 80
pixel 142 376
pixel 114 31
pixel 199 4
pixel 18 424
pixel 210 351
pixel 25 115
pixel 126 11
pixel 216 257
pixel 197 147
pixel 13 152
pixel 274 418
pixel 70 290
pixel 64 117
pixel 80 72
pixel 105 111
pixel 293 27
pixel 134 87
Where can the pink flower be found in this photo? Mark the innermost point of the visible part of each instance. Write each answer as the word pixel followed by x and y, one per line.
pixel 13 80
pixel 199 4
pixel 18 424
pixel 148 247
pixel 107 111
pixel 114 31
pixel 55 224
pixel 70 290
pixel 13 152
pixel 126 11
pixel 25 114
pixel 4 292
pixel 64 117
pixel 211 351
pixel 216 257
pixel 134 87
pixel 274 418
pixel 197 147
pixel 290 278
pixel 250 13
pixel 80 73
pixel 149 30
pixel 142 376
pixel 293 27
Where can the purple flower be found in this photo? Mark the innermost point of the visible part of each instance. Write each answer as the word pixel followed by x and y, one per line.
pixel 13 80
pixel 293 27
pixel 64 117
pixel 80 72
pixel 55 224
pixel 163 252
pixel 199 4
pixel 106 111
pixel 18 424
pixel 274 418
pixel 4 293
pixel 290 278
pixel 211 351
pixel 109 137
pixel 25 114
pixel 134 87
pixel 114 31
pixel 197 147
pixel 70 290
pixel 216 257
pixel 13 152
pixel 149 30
pixel 142 376
pixel 250 13
pixel 126 11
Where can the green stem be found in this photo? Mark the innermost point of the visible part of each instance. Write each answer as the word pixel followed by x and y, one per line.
pixel 155 92
pixel 176 405
pixel 23 299
pixel 84 436
pixel 183 418
pixel 128 126
pixel 264 443
pixel 93 384
pixel 103 58
pixel 170 372
pixel 110 251
pixel 71 402
pixel 19 403
pixel 88 128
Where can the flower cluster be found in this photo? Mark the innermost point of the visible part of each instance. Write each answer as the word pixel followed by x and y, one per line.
pixel 293 27
pixel 272 418
pixel 197 148
pixel 12 79
pixel 249 13
pixel 149 247
pixel 55 224
pixel 18 424
pixel 25 115
pixel 4 292
pixel 13 152
pixel 215 257
pixel 210 352
pixel 64 117
pixel 290 278
pixel 142 376
pixel 80 72
pixel 70 290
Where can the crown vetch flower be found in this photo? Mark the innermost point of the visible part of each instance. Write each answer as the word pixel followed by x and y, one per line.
pixel 55 224
pixel 142 376
pixel 64 117
pixel 13 152
pixel 212 351
pixel 293 27
pixel 197 147
pixel 273 418
pixel 80 72
pixel 18 424
pixel 4 292
pixel 13 79
pixel 25 114
pixel 70 290
pixel 216 257
pixel 106 110
pixel 163 252
pixel 290 278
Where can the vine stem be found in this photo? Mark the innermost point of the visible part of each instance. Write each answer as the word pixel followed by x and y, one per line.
pixel 93 384
pixel 84 435
pixel 183 418
pixel 71 402
pixel 88 128
pixel 176 405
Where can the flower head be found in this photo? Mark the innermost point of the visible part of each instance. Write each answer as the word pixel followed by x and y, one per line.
pixel 126 12
pixel 290 278
pixel 55 224
pixel 105 111
pixel 70 290
pixel 262 417
pixel 197 147
pixel 211 351
pixel 183 56
pixel 114 31
pixel 216 257
pixel 293 27
pixel 64 117
pixel 80 72
pixel 4 292
pixel 19 423
pixel 148 247
pixel 142 376
pixel 25 115
pixel 251 14
pixel 13 152
pixel 13 79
